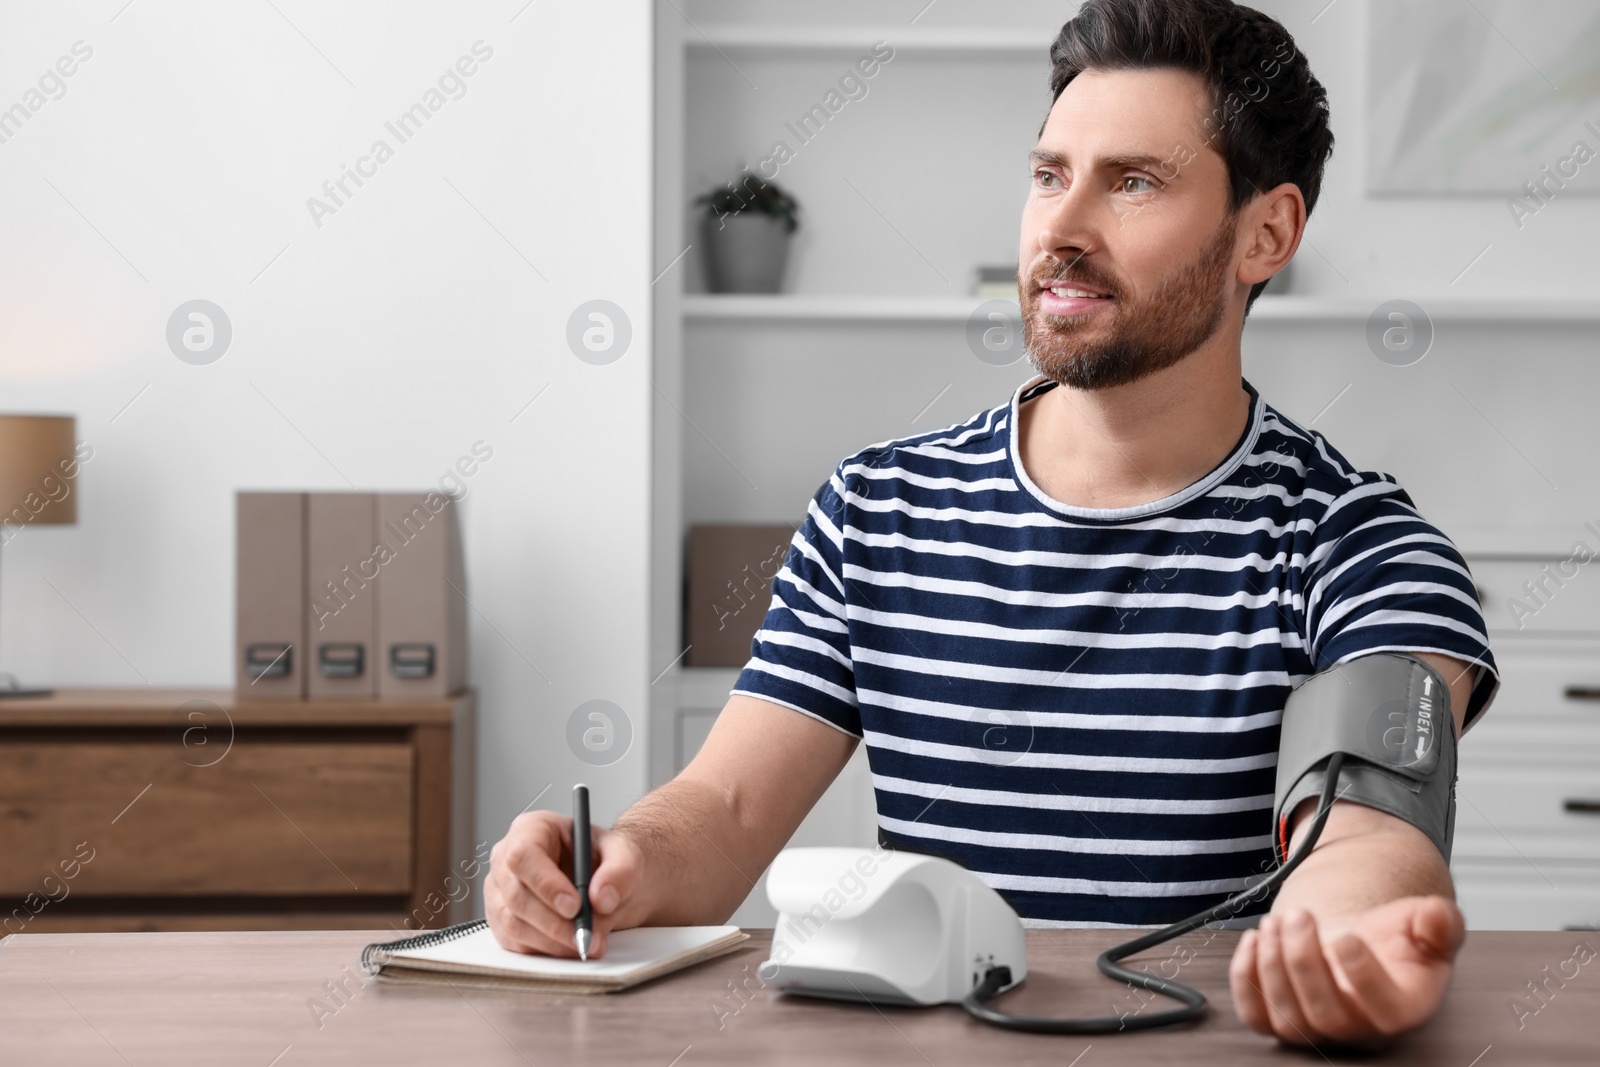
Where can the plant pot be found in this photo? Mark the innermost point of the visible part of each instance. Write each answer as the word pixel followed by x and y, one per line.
pixel 745 253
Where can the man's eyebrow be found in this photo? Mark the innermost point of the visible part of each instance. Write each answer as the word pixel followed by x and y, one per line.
pixel 1114 161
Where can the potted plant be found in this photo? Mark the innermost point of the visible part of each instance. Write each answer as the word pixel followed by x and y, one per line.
pixel 745 231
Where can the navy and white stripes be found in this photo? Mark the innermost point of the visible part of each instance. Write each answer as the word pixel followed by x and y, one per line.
pixel 1082 706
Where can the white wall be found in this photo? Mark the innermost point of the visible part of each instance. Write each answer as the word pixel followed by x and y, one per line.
pixel 371 351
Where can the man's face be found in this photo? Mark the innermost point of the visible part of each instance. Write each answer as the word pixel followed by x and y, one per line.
pixel 1126 200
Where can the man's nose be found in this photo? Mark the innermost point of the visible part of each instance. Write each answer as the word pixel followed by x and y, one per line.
pixel 1068 228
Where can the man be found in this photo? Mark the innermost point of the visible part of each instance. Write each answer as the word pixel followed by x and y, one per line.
pixel 1067 627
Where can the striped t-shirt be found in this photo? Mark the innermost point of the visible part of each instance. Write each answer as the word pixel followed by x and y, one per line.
pixel 1082 706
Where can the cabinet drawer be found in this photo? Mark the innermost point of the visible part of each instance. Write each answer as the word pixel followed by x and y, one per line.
pixel 1497 896
pixel 1564 597
pixel 1535 808
pixel 1549 693
pixel 270 818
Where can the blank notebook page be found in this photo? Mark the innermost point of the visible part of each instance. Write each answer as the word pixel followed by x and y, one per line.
pixel 627 952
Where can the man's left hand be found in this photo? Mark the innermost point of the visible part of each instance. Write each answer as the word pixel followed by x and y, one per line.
pixel 1382 974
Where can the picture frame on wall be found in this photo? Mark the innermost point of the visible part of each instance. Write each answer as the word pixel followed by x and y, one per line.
pixel 1491 98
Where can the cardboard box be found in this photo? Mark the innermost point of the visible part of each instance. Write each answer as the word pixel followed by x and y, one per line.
pixel 269 656
pixel 341 595
pixel 422 603
pixel 729 589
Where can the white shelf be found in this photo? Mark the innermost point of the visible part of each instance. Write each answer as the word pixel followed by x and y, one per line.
pixel 745 37
pixel 705 307
pixel 830 308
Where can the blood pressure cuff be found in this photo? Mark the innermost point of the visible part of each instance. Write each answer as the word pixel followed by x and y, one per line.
pixel 1389 713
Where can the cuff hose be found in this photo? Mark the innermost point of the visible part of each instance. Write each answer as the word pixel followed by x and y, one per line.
pixel 1109 962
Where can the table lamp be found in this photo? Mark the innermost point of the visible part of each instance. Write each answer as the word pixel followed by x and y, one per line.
pixel 38 483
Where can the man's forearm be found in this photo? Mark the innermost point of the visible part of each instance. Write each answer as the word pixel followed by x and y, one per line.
pixel 706 836
pixel 1364 858
pixel 697 869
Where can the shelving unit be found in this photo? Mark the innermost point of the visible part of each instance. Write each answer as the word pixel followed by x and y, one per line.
pixel 798 308
pixel 712 420
pixel 711 57
pixel 787 39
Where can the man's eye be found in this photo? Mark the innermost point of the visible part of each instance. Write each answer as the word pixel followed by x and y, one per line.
pixel 1045 179
pixel 1137 178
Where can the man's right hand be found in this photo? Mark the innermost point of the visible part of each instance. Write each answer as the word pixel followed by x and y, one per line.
pixel 707 835
pixel 529 898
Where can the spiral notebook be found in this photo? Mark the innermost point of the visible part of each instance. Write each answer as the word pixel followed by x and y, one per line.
pixel 467 954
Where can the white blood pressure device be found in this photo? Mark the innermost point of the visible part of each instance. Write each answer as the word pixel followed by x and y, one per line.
pixel 905 928
pixel 886 926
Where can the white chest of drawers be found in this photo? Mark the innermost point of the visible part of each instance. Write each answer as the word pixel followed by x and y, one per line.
pixel 1527 841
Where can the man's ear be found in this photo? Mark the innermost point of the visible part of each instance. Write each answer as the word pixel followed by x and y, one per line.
pixel 1274 222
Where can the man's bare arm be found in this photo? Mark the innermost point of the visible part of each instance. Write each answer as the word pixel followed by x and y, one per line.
pixel 1362 937
pixel 707 835
pixel 1366 857
pixel 687 853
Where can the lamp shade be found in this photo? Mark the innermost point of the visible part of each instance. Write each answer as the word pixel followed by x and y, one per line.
pixel 38 470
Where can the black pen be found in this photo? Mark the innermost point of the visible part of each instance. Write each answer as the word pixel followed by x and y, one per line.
pixel 582 862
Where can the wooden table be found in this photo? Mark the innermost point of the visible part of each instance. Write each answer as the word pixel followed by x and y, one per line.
pixel 246 999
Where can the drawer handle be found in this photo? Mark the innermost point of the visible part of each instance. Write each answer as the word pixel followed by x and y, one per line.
pixel 1582 692
pixel 1581 806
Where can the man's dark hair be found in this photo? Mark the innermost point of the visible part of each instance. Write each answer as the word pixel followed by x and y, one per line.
pixel 1268 115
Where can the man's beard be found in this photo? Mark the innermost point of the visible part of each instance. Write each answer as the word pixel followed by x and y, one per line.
pixel 1140 339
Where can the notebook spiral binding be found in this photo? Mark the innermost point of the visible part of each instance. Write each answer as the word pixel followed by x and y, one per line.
pixel 427 940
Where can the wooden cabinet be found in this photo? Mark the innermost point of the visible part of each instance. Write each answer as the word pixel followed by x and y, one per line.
pixel 186 809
